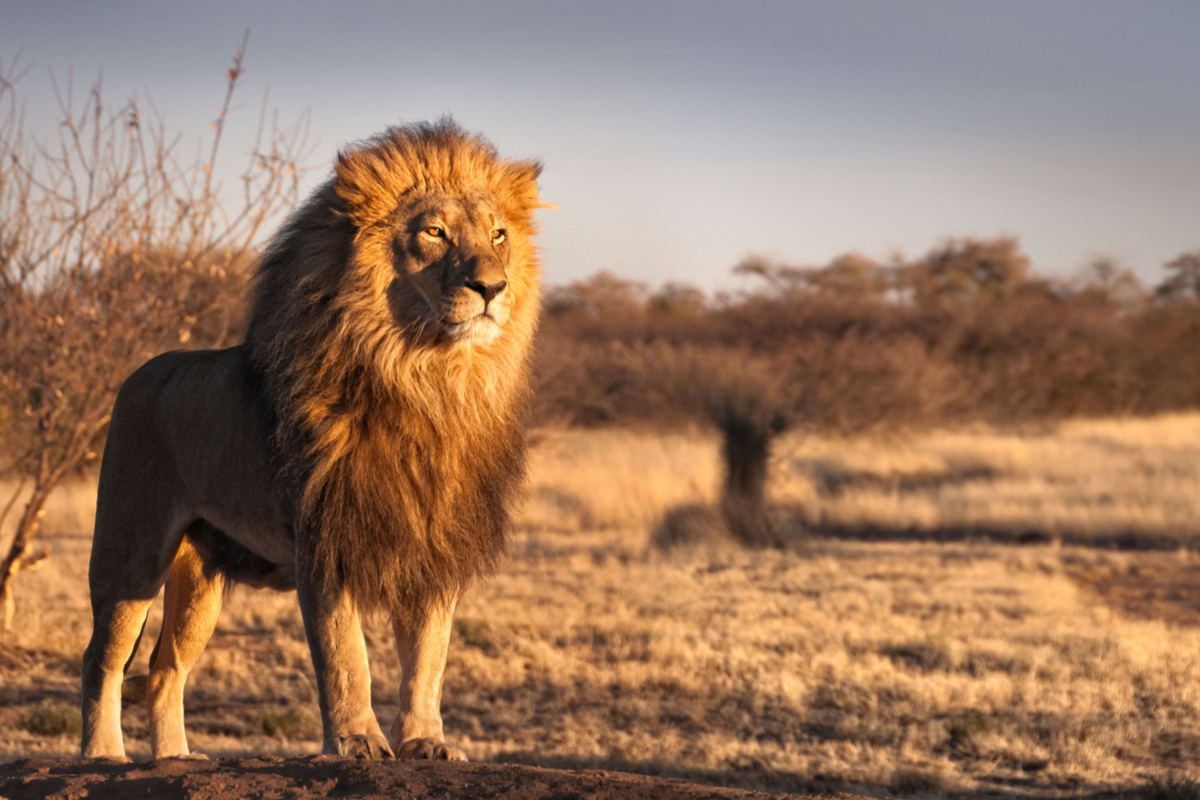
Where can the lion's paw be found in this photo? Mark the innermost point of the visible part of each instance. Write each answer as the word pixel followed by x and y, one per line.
pixel 430 749
pixel 359 745
pixel 108 759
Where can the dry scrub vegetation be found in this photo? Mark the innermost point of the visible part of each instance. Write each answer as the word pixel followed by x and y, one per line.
pixel 113 248
pixel 889 667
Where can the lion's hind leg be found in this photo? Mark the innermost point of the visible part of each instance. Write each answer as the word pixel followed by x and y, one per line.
pixel 124 578
pixel 191 605
pixel 116 629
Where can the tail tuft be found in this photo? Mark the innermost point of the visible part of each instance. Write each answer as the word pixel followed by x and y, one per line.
pixel 133 689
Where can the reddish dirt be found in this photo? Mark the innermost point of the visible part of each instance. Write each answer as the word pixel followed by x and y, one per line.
pixel 269 777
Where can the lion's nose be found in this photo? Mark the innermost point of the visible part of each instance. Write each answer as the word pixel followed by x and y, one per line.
pixel 488 290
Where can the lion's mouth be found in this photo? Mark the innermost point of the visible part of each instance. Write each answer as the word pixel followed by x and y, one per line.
pixel 479 330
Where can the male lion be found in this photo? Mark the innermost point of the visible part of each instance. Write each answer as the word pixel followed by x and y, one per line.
pixel 360 446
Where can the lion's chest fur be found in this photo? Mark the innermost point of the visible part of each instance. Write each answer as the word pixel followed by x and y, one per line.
pixel 405 482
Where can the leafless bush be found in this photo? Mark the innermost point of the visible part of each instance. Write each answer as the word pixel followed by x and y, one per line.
pixel 112 249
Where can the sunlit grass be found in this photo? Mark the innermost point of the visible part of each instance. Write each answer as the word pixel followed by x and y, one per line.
pixel 907 667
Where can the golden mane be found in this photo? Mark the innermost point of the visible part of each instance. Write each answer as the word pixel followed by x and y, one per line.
pixel 399 449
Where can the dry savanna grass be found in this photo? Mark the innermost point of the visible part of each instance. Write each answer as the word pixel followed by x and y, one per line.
pixel 914 666
pixel 1084 481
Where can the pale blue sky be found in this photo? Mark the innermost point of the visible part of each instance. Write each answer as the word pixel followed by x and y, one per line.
pixel 680 136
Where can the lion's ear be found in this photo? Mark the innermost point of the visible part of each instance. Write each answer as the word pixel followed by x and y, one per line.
pixel 519 190
pixel 367 184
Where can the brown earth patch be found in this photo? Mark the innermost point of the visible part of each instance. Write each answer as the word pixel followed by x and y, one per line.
pixel 1148 585
pixel 331 777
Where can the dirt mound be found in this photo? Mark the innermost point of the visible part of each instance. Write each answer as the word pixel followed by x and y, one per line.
pixel 330 776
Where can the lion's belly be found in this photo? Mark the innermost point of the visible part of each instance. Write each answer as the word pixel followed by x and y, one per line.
pixel 265 537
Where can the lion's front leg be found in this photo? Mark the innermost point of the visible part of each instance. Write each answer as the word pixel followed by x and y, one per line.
pixel 422 644
pixel 339 656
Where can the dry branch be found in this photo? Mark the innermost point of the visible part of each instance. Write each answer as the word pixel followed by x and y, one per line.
pixel 111 250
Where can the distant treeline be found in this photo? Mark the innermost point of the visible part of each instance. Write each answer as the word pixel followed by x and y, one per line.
pixel 969 332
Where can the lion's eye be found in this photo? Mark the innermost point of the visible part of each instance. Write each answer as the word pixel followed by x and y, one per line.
pixel 499 235
pixel 435 232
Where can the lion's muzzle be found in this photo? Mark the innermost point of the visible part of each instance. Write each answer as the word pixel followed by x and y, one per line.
pixel 477 309
pixel 476 312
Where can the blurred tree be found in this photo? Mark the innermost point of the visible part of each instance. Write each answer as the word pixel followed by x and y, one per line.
pixel 748 397
pixel 678 300
pixel 602 294
pixel 1183 278
pixel 850 277
pixel 782 278
pixel 749 403
pixel 963 273
pixel 1106 280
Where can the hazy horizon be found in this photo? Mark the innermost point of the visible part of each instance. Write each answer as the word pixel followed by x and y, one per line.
pixel 680 136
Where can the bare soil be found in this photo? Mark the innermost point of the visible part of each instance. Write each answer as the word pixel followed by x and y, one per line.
pixel 330 776
pixel 1152 586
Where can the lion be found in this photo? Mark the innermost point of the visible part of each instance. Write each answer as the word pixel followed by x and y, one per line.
pixel 360 446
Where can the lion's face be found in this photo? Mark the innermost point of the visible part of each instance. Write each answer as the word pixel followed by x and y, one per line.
pixel 452 257
pixel 442 235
